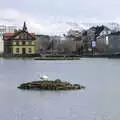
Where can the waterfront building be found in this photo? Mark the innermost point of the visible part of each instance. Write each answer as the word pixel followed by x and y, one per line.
pixel 109 43
pixel 20 42
pixel 4 29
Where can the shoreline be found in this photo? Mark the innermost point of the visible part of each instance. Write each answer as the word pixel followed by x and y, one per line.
pixel 59 57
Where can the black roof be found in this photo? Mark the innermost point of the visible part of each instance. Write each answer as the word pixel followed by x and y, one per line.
pixel 115 33
pixel 98 29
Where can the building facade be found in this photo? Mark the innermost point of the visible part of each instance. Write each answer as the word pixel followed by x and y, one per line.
pixel 20 42
pixel 42 43
pixel 109 43
pixel 4 29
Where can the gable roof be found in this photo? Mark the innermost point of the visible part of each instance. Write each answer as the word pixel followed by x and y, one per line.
pixel 11 35
pixel 115 33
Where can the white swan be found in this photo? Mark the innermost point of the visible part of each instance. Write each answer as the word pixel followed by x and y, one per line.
pixel 44 77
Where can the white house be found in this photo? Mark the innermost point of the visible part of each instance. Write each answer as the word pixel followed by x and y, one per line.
pixel 105 31
pixel 4 29
pixel 1 45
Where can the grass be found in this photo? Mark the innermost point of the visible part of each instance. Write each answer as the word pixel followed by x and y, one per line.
pixel 57 58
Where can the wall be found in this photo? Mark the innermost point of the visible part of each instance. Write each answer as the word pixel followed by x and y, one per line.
pixel 26 47
pixel 113 45
pixel 28 44
pixel 1 45
pixel 101 43
pixel 42 42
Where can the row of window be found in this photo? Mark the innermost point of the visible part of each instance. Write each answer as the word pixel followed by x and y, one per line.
pixel 24 50
pixel 23 43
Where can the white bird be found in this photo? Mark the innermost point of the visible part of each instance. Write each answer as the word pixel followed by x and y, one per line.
pixel 44 77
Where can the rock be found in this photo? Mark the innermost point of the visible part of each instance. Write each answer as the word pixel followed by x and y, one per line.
pixel 57 80
pixel 50 85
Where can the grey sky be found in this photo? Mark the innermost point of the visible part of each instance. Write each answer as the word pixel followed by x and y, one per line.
pixel 77 10
pixel 71 8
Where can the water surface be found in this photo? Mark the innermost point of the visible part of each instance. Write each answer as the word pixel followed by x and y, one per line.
pixel 99 101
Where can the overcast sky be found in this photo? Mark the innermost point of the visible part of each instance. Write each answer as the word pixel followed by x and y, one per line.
pixel 57 16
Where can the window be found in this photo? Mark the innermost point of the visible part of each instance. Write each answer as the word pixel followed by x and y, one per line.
pixel 17 42
pixel 30 42
pixel 23 42
pixel 107 40
pixel 17 50
pixel 14 43
pixel 29 37
pixel 34 43
pixel 29 50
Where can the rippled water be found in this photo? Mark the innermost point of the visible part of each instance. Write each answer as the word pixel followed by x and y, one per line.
pixel 99 101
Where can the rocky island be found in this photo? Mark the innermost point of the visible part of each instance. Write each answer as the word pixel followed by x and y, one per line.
pixel 50 85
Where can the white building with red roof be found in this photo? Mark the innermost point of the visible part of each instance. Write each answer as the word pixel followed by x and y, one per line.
pixel 5 29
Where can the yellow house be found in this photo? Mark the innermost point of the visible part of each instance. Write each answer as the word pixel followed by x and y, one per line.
pixel 21 42
pixel 23 47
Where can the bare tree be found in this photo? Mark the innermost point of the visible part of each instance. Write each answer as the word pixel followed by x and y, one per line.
pixel 42 43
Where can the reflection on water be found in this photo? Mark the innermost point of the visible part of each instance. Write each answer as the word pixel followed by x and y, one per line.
pixel 99 101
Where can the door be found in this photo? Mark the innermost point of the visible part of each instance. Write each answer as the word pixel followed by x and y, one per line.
pixel 23 51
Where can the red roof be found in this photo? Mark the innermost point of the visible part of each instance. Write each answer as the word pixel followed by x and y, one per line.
pixel 8 34
pixel 11 34
pixel 32 33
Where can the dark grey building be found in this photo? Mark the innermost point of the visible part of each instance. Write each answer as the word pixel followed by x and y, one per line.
pixel 55 41
pixel 94 32
pixel 42 43
pixel 109 43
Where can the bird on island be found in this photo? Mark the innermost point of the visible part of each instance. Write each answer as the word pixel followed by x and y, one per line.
pixel 44 77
